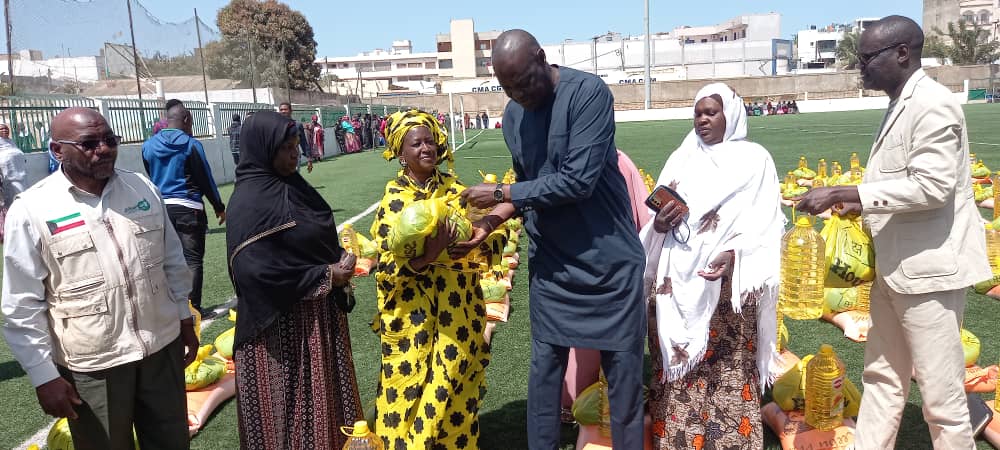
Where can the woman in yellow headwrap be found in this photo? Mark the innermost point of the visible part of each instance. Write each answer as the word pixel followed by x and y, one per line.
pixel 431 314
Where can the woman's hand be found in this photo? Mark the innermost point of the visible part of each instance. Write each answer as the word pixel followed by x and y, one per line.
pixel 343 270
pixel 721 266
pixel 669 217
pixel 436 243
pixel 480 230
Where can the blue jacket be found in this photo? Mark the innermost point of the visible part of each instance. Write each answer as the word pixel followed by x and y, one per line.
pixel 177 165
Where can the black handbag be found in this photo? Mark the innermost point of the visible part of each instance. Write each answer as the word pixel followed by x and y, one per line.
pixel 343 297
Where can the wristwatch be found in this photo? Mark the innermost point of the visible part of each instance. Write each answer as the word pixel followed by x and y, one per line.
pixel 498 193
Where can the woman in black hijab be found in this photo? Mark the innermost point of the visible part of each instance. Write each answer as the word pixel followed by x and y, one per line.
pixel 295 375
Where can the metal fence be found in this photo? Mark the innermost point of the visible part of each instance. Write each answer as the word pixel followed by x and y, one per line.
pixel 134 119
pixel 228 109
pixel 29 117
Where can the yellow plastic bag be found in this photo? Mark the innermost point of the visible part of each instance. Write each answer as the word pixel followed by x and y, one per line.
pixel 850 255
pixel 419 220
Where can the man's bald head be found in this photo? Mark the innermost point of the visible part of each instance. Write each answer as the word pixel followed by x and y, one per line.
pixel 86 146
pixel 520 66
pixel 898 29
pixel 179 117
pixel 66 124
pixel 889 53
pixel 512 45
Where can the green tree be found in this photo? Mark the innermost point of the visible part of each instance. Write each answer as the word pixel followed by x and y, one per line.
pixel 965 45
pixel 847 50
pixel 161 65
pixel 283 35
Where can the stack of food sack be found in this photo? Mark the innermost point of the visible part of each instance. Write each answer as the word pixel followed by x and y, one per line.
pixel 211 379
pixel 786 416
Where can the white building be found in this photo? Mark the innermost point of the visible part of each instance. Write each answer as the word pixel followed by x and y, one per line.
pixel 380 71
pixel 747 45
pixel 984 13
pixel 817 48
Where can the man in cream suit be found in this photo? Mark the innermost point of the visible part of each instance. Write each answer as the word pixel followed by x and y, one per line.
pixel 917 202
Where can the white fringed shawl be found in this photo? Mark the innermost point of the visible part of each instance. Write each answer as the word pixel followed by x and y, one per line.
pixel 731 189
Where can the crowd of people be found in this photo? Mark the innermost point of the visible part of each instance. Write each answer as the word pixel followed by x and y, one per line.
pixel 770 108
pixel 100 264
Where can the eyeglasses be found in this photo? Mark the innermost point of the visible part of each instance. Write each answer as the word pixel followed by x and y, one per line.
pixel 865 58
pixel 91 145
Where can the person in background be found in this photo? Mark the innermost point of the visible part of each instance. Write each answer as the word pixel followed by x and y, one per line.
pixel 916 201
pixel 5 134
pixel 467 122
pixel 560 129
pixel 340 133
pixel 13 171
pixel 711 282
pixel 486 120
pixel 352 143
pixel 319 147
pixel 94 296
pixel 162 123
pixel 479 122
pixel 234 139
pixel 177 165
pixel 307 128
pixel 366 132
pixel 295 383
pixel 377 138
pixel 285 109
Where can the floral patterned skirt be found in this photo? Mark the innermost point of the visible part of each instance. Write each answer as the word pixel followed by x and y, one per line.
pixel 717 404
pixel 295 380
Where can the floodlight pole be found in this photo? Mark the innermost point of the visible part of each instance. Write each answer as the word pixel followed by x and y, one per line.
pixel 135 57
pixel 201 51
pixel 648 79
pixel 10 53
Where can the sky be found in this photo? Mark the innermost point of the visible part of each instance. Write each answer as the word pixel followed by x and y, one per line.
pixel 343 30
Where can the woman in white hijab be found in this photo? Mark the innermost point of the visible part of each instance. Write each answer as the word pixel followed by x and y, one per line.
pixel 711 280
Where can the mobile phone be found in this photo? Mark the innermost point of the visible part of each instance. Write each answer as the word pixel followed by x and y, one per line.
pixel 979 413
pixel 661 196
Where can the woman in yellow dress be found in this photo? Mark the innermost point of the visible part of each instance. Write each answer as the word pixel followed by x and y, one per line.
pixel 431 313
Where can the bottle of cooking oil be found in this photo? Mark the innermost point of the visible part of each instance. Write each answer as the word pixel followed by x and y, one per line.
pixel 864 297
pixel 835 174
pixel 993 247
pixel 605 427
pixel 855 161
pixel 360 437
pixel 349 239
pixel 803 164
pixel 803 269
pixel 996 196
pixel 825 390
pixel 820 179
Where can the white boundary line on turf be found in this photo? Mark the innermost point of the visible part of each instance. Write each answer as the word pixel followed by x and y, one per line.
pixel 372 208
pixel 40 437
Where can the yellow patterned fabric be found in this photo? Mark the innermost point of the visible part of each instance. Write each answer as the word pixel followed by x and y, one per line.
pixel 400 123
pixel 431 324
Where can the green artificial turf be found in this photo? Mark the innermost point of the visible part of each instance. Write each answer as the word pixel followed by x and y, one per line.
pixel 352 183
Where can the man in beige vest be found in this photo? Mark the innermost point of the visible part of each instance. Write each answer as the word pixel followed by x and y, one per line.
pixel 95 295
pixel 916 199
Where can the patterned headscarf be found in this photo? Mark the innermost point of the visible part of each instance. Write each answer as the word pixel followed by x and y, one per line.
pixel 400 123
